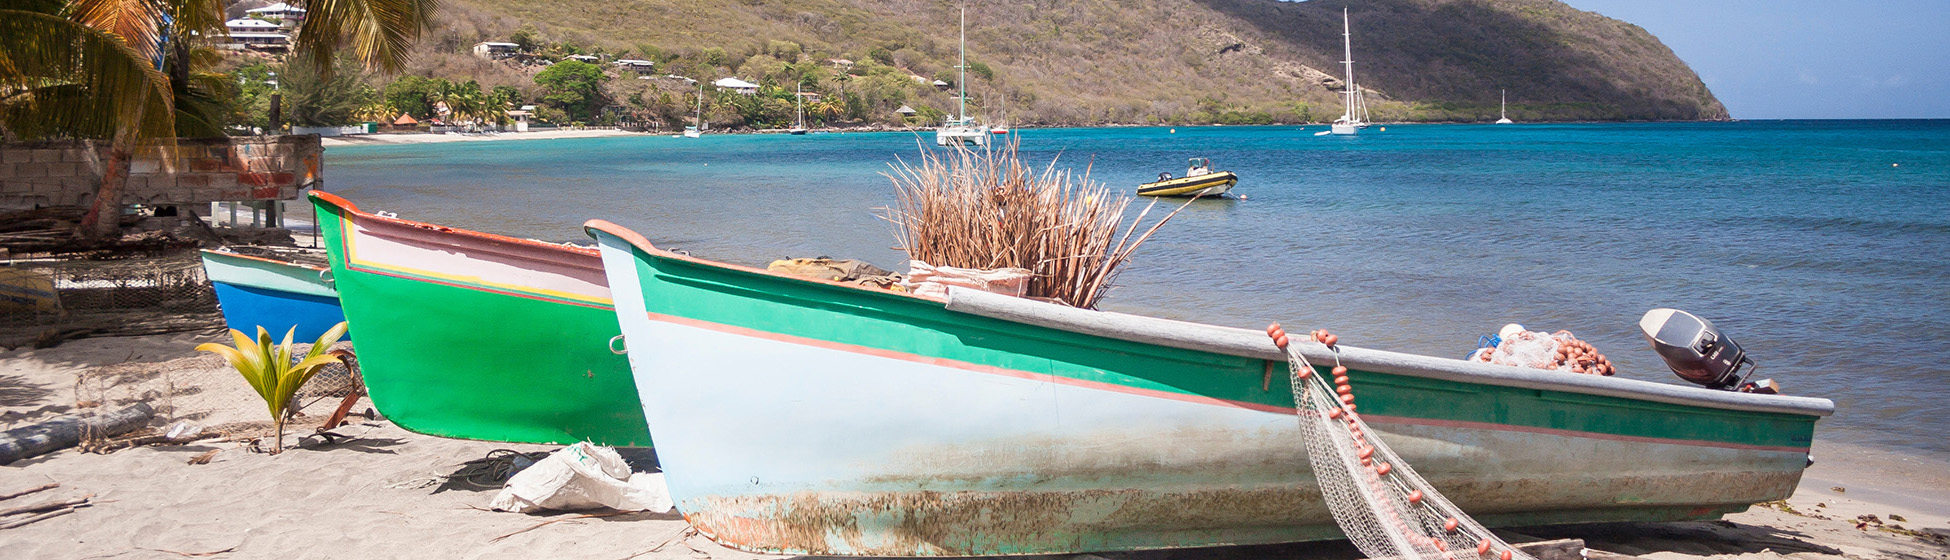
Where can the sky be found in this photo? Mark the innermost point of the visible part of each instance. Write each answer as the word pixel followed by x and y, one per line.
pixel 1804 59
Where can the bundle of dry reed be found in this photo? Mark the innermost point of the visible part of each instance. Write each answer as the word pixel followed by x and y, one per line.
pixel 985 209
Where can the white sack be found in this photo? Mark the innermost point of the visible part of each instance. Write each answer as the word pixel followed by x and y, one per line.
pixel 929 280
pixel 583 476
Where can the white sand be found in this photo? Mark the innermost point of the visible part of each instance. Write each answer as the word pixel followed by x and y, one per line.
pixel 365 139
pixel 381 495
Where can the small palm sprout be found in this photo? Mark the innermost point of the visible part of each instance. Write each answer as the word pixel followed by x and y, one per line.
pixel 271 369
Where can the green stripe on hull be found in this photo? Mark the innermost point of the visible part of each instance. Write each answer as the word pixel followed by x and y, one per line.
pixel 472 364
pixel 897 323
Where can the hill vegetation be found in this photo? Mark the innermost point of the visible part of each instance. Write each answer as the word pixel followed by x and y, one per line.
pixel 1079 62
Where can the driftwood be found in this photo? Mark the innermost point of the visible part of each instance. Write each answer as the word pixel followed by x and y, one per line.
pixel 43 506
pixel 67 431
pixel 55 513
pixel 26 491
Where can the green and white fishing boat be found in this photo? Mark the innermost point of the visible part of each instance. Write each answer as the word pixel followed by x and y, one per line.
pixel 478 336
pixel 800 416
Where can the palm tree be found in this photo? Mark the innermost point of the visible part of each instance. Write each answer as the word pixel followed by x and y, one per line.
pixel 79 68
pixel 59 77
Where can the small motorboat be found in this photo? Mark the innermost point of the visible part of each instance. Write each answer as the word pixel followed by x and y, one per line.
pixel 1199 180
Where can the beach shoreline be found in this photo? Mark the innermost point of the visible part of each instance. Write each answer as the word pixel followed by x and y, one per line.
pixel 386 492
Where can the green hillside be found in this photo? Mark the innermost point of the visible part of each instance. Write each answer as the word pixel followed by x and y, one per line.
pixel 1054 62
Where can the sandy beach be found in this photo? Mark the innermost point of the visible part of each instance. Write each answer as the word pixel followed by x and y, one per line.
pixel 389 493
pixel 372 139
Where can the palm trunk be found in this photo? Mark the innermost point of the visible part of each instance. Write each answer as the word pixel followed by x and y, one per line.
pixel 104 217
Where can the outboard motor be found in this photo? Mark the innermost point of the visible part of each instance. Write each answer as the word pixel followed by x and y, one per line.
pixel 1694 349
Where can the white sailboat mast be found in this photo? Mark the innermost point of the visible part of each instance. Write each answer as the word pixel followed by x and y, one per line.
pixel 1347 50
pixel 961 79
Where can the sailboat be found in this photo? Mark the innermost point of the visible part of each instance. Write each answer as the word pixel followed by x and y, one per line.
pixel 1356 117
pixel 962 129
pixel 692 131
pixel 1504 113
pixel 800 126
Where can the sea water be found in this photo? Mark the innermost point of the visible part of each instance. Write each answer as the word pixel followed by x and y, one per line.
pixel 1819 246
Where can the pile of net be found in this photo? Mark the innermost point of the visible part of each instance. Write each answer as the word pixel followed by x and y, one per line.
pixel 1387 510
pixel 1559 351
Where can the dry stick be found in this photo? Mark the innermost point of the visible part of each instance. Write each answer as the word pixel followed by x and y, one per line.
pixel 686 532
pixel 191 554
pixel 55 513
pixel 583 516
pixel 44 506
pixel 19 493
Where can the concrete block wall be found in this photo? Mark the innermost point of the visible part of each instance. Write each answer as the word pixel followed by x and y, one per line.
pixel 194 171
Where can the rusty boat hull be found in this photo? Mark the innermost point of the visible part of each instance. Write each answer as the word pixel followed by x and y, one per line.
pixel 797 416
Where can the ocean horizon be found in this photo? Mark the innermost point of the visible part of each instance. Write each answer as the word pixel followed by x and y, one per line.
pixel 1813 243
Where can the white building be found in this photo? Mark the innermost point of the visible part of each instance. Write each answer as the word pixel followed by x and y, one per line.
pixel 640 67
pixel 737 85
pixel 280 11
pixel 583 58
pixel 495 51
pixel 250 25
pixel 260 41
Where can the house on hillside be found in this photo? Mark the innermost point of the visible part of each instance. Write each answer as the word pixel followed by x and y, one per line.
pixel 642 68
pixel 496 51
pixel 592 59
pixel 269 42
pixel 737 85
pixel 840 63
pixel 938 84
pixel 279 11
pixel 250 25
pixel 809 97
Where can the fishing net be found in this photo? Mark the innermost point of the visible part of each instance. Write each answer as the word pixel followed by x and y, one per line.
pixel 1387 510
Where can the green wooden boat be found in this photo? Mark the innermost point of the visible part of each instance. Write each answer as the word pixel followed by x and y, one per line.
pixel 478 336
pixel 799 416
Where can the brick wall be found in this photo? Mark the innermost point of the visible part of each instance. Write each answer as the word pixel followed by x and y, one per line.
pixel 195 171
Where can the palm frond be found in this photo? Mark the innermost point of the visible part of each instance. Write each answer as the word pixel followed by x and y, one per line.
pixel 138 22
pixel 381 33
pixel 62 78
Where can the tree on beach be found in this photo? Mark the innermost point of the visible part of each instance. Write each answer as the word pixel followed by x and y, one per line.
pixel 573 86
pixel 83 69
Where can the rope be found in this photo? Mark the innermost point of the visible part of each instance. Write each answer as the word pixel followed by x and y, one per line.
pixel 1384 507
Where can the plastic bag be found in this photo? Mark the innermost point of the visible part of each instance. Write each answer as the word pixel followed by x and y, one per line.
pixel 583 476
pixel 929 280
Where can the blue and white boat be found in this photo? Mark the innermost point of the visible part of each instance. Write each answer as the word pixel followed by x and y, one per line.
pixel 276 292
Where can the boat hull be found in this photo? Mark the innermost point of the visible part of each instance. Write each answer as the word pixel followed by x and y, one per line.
pixel 953 135
pixel 277 295
pixel 893 425
pixel 1344 128
pixel 477 336
pixel 1210 184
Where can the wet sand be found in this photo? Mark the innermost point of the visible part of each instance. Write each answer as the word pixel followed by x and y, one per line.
pixel 386 493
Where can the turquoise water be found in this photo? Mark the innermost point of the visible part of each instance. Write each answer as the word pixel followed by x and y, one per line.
pixel 1818 245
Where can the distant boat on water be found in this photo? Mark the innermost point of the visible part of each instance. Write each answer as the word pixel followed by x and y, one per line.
pixel 1504 113
pixel 693 131
pixel 962 130
pixel 1356 117
pixel 799 126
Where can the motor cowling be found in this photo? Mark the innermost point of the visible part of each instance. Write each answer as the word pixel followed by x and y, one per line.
pixel 1695 350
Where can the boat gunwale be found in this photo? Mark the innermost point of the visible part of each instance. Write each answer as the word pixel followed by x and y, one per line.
pixel 220 252
pixel 348 206
pixel 1252 344
pixel 1248 343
